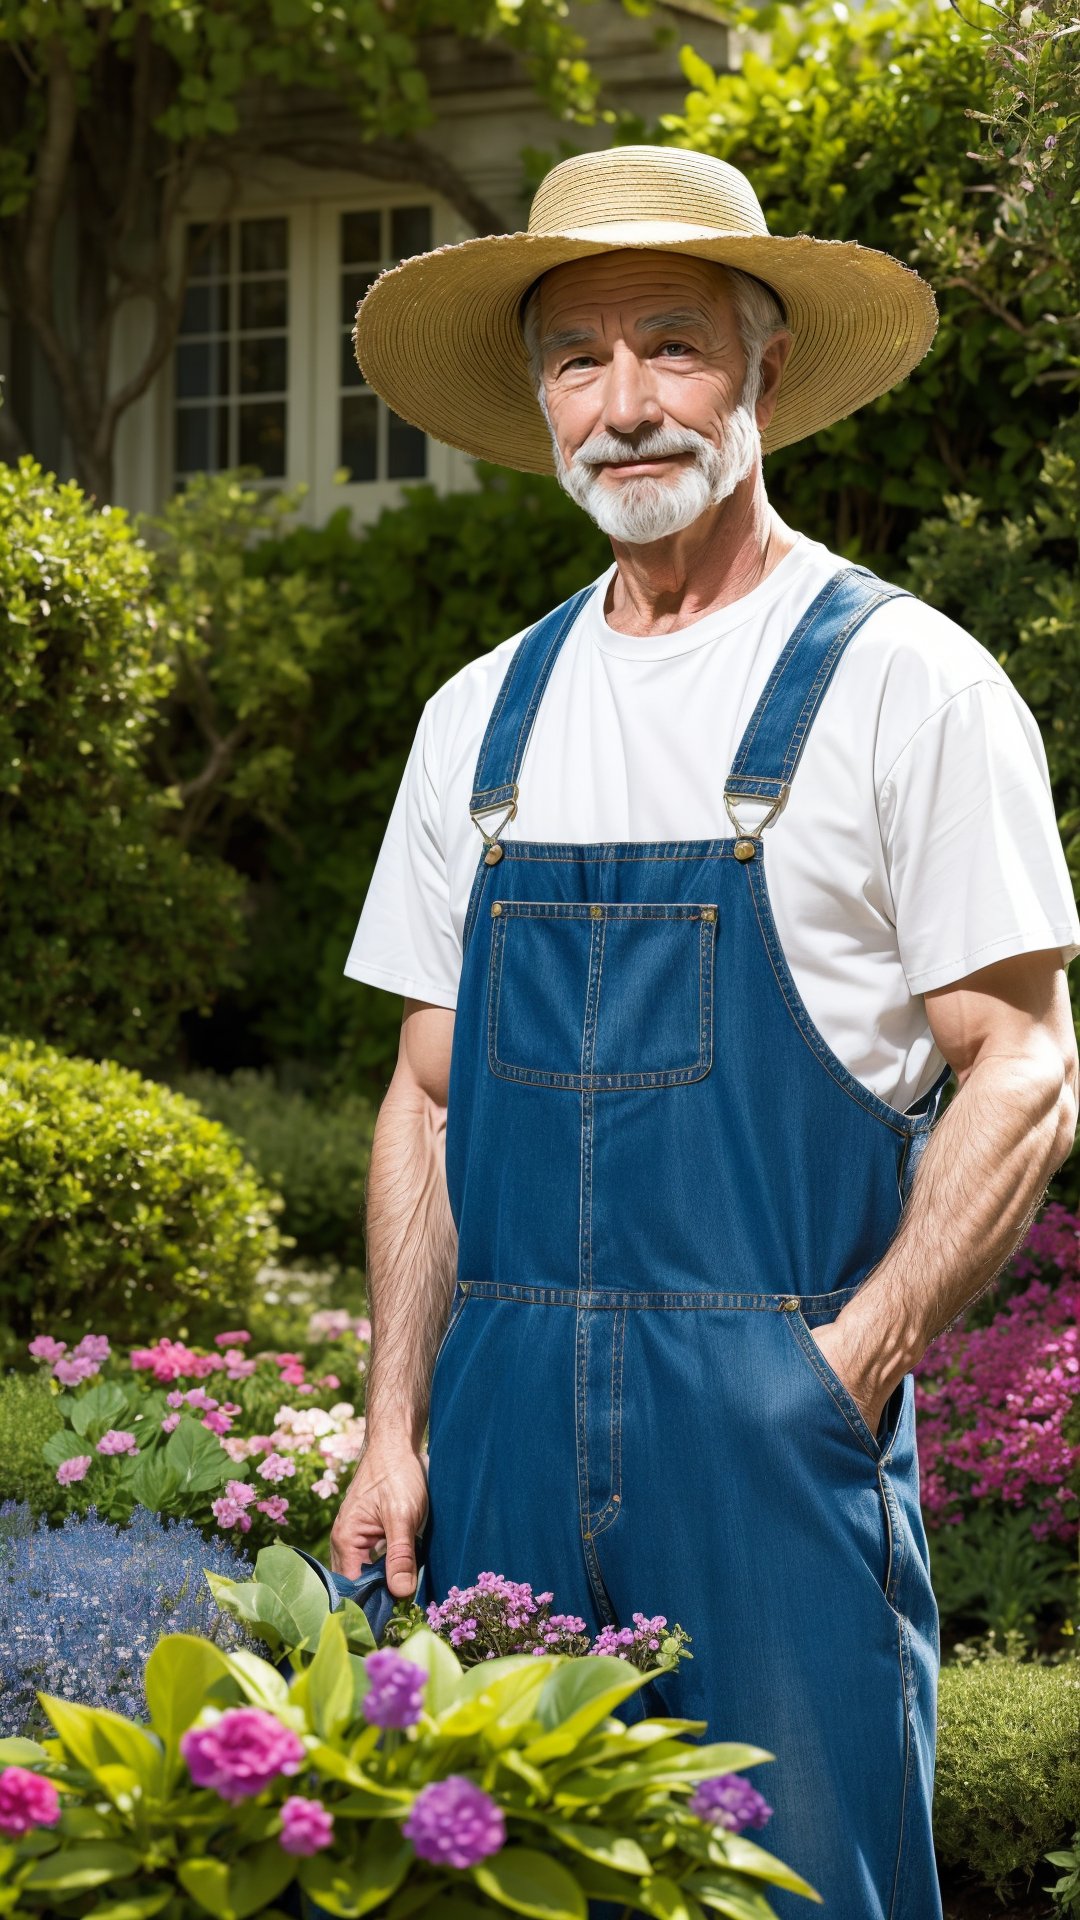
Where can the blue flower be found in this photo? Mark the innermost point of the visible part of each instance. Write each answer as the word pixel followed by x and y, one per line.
pixel 82 1606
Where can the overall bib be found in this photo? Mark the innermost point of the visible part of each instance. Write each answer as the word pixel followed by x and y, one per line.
pixel 662 1179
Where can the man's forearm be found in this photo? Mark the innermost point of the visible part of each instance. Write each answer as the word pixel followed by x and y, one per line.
pixel 978 1184
pixel 412 1258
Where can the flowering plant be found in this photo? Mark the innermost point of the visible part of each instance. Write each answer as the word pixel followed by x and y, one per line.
pixel 497 1616
pixel 380 1779
pixel 236 1440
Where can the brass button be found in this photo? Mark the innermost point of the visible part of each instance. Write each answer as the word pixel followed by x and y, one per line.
pixel 708 913
pixel 791 1305
pixel 496 908
pixel 493 855
pixel 597 912
pixel 744 849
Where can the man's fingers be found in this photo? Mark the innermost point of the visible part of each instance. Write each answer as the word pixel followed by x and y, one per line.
pixel 400 1558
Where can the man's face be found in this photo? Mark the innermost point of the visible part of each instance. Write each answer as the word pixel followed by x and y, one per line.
pixel 643 370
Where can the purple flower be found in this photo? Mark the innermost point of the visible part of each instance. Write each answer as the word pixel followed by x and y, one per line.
pixel 26 1800
pixel 396 1693
pixel 306 1827
pixel 454 1823
pixel 727 1800
pixel 44 1347
pixel 240 1752
pixel 70 1470
pixel 117 1441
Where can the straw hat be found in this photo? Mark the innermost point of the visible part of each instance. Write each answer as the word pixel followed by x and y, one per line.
pixel 439 337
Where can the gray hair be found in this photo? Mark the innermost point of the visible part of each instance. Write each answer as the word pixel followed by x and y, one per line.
pixel 757 309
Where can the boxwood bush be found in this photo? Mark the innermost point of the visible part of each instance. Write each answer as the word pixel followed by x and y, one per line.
pixel 121 1204
pixel 1008 1770
pixel 28 1415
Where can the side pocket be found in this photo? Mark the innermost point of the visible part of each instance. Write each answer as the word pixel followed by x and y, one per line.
pixel 457 1308
pixel 843 1401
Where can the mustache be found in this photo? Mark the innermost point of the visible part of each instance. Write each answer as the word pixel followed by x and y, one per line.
pixel 610 450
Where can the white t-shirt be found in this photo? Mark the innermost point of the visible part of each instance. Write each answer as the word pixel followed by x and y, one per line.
pixel 918 842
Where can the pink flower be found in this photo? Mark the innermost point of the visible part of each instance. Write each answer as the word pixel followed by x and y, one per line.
pixel 44 1347
pixel 294 1377
pixel 277 1467
pixel 71 1372
pixel 240 1752
pixel 324 1487
pixel 26 1800
pixel 170 1423
pixel 235 1339
pixel 229 1513
pixel 71 1470
pixel 217 1422
pixel 239 1491
pixel 306 1826
pixel 117 1441
pixel 275 1508
pixel 200 1401
pixel 331 1381
pixel 236 1367
pixel 93 1346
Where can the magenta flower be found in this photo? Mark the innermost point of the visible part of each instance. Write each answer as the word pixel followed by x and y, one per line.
pixel 170 1423
pixel 71 1470
pixel 26 1800
pixel 275 1508
pixel 238 1338
pixel 71 1372
pixel 396 1693
pixel 217 1422
pixel 277 1467
pixel 117 1441
pixel 92 1346
pixel 454 1823
pixel 44 1347
pixel 240 1752
pixel 306 1826
pixel 727 1800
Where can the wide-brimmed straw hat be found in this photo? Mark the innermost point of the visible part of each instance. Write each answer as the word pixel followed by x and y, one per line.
pixel 440 335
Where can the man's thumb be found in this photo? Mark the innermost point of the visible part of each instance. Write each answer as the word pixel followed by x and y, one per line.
pixel 401 1576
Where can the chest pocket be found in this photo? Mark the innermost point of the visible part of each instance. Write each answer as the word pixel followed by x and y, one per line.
pixel 601 997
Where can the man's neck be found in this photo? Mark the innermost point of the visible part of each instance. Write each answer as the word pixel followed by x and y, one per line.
pixel 723 556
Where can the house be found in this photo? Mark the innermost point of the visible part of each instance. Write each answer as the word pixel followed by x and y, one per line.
pixel 263 370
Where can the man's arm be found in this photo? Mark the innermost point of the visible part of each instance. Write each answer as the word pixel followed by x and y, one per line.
pixel 412 1258
pixel 1007 1033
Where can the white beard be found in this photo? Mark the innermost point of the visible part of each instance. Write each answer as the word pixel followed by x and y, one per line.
pixel 643 510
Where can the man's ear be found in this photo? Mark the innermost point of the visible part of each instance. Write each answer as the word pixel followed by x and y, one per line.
pixel 772 366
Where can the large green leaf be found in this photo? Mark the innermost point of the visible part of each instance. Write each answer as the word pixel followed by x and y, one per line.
pixel 576 1698
pixel 196 1457
pixel 726 1893
pixel 17 1752
pixel 359 1886
pixel 74 1869
pixel 357 1627
pixel 99 1409
pixel 62 1446
pixel 138 1906
pixel 666 1900
pixel 617 1850
pixel 297 1586
pixel 749 1858
pixel 501 1706
pixel 694 1763
pixel 179 1673
pixel 258 1680
pixel 326 1686
pixel 98 1739
pixel 257 1607
pixel 530 1882
pixel 153 1483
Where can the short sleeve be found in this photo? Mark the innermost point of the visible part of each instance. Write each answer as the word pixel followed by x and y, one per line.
pixel 405 940
pixel 974 858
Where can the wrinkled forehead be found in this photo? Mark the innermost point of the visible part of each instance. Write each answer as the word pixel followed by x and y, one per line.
pixel 630 281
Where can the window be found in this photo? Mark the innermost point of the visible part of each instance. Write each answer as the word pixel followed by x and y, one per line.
pixel 230 379
pixel 373 444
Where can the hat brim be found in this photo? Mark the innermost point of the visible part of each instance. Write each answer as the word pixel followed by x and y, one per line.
pixel 439 336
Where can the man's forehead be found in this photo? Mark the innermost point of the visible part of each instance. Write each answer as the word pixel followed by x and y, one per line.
pixel 633 277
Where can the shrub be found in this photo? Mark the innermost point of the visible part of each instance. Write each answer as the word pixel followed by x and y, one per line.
pixel 83 1605
pixel 111 929
pixel 311 1152
pixel 119 1193
pixel 1008 1771
pixel 28 1415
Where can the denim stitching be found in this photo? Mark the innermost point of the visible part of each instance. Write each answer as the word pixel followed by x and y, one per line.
pixel 901 1844
pixel 613 851
pixel 896 1538
pixel 903 1124
pixel 569 610
pixel 616 1299
pixel 834 1386
pixel 824 675
pixel 610 1512
pixel 816 607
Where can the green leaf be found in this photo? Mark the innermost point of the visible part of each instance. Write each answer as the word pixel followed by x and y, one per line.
pixel 365 1883
pixel 530 1882
pixel 196 1458
pixel 74 1869
pixel 297 1586
pixel 667 1901
pixel 153 1483
pixel 725 1893
pixel 98 1739
pixel 62 1446
pixel 140 1906
pixel 327 1683
pixel 603 1844
pixel 99 1409
pixel 749 1858
pixel 576 1698
pixel 17 1752
pixel 357 1626
pixel 179 1674
pixel 257 1607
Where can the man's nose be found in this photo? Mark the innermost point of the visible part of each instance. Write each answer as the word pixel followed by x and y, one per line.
pixel 630 400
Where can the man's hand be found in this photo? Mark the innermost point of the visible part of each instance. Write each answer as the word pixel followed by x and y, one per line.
pixel 385 1506
pixel 869 1392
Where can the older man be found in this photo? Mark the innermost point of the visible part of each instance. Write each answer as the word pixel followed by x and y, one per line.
pixel 705 1223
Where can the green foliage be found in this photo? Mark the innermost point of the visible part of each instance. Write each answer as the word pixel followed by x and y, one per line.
pixel 856 126
pixel 594 1809
pixel 314 1153
pixel 29 1415
pixel 121 1201
pixel 992 1572
pixel 177 1474
pixel 1066 1889
pixel 109 930
pixel 1008 1766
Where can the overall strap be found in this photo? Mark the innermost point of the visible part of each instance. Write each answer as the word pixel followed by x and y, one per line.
pixel 507 735
pixel 776 733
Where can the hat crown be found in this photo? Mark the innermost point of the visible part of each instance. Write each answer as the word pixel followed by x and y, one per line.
pixel 645 186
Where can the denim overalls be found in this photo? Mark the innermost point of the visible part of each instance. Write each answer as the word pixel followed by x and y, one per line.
pixel 662 1179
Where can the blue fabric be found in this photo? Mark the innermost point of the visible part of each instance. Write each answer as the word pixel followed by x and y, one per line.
pixel 370 1591
pixel 663 1179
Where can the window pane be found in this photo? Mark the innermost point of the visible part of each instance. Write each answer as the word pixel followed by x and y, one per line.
pixel 410 231
pixel 206 310
pixel 359 429
pixel 360 238
pixel 264 303
pixel 212 259
pixel 262 367
pixel 262 436
pixel 351 375
pixel 202 369
pixel 407 451
pixel 353 288
pixel 193 439
pixel 263 246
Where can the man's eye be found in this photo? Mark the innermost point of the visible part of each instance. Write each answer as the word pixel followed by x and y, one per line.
pixel 580 360
pixel 676 346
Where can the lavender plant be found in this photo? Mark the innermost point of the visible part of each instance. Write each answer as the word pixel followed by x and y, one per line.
pixel 82 1607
